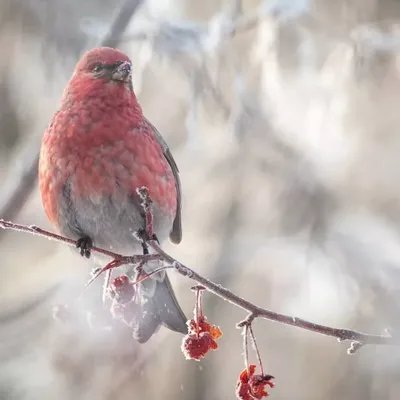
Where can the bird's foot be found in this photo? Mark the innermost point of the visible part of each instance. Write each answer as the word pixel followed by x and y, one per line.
pixel 84 244
pixel 144 237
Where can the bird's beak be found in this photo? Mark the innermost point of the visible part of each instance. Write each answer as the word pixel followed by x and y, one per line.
pixel 122 73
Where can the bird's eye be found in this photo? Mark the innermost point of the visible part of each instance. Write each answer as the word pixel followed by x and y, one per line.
pixel 97 68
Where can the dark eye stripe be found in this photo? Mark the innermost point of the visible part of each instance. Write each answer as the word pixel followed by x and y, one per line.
pixel 106 67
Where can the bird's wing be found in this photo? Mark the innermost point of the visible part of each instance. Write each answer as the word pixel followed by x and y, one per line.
pixel 176 232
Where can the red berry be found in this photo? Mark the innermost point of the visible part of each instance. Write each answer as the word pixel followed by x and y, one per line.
pixel 195 347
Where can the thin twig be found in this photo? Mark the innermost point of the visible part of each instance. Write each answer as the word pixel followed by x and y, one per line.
pixel 254 310
pixel 106 285
pixel 19 184
pixel 246 346
pixel 146 204
pixel 53 236
pixel 254 342
pixel 120 23
pixel 197 312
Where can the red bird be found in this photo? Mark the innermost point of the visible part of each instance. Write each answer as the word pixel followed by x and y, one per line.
pixel 97 150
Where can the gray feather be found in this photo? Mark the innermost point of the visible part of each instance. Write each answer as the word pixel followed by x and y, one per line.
pixel 160 309
pixel 176 232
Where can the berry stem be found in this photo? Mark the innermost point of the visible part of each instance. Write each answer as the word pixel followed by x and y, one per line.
pixel 246 347
pixel 197 311
pixel 254 342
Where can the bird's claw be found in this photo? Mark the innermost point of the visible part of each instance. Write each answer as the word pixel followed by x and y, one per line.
pixel 144 237
pixel 84 245
pixel 155 238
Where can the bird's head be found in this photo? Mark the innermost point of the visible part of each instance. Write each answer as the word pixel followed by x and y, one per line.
pixel 104 73
pixel 106 64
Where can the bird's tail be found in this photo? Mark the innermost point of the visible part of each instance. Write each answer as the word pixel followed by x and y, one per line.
pixel 159 306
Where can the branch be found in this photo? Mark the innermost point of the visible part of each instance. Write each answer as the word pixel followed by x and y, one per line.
pixel 182 36
pixel 258 312
pixel 35 230
pixel 120 23
pixel 358 339
pixel 22 182
pixel 19 184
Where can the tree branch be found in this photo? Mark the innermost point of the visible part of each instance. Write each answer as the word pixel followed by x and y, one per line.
pixel 19 184
pixel 358 339
pixel 120 23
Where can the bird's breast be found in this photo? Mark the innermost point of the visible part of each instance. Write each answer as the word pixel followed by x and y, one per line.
pixel 100 156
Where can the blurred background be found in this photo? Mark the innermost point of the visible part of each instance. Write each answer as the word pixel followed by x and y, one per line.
pixel 283 116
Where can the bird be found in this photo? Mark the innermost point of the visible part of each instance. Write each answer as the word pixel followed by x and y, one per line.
pixel 97 150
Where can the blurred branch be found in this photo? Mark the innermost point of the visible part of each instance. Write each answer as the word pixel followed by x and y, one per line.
pixel 189 34
pixel 21 183
pixel 120 23
pixel 182 36
pixel 358 339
